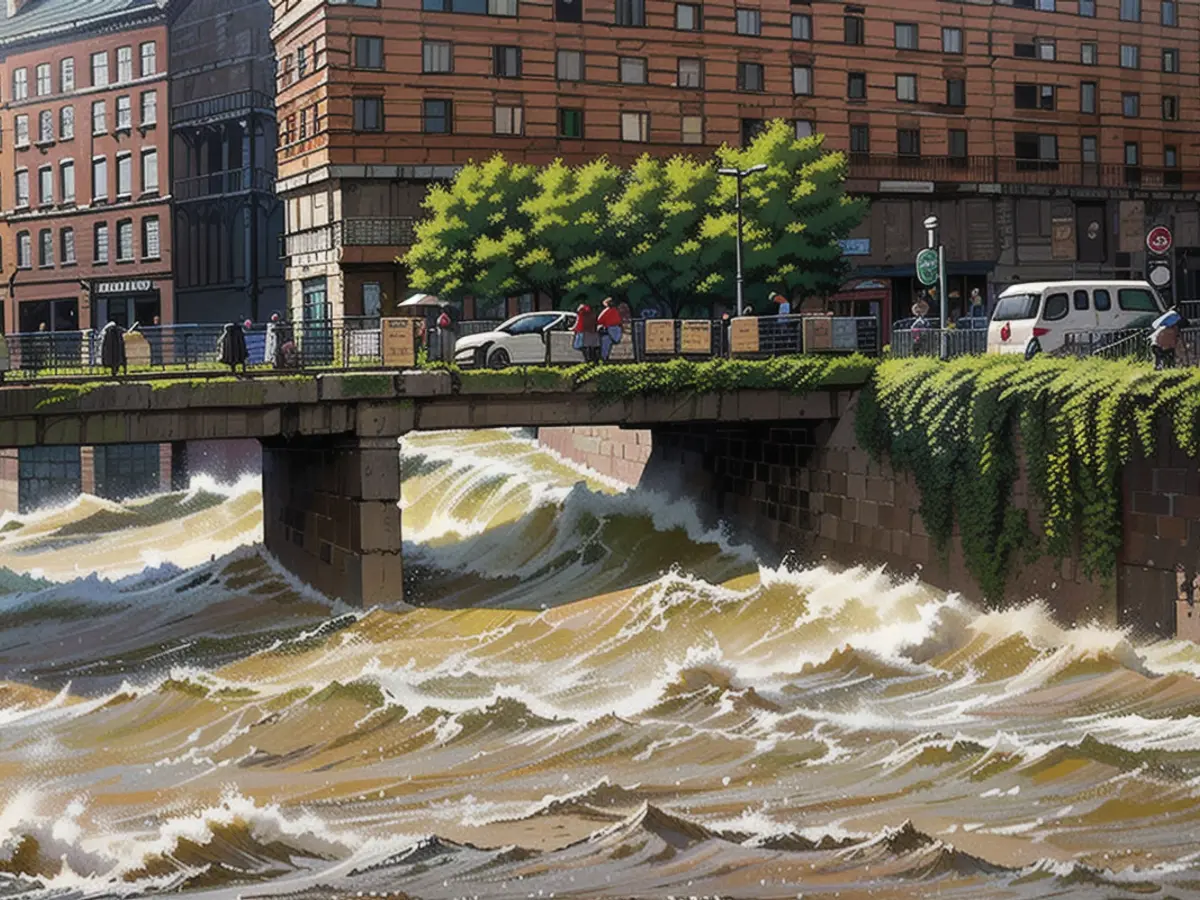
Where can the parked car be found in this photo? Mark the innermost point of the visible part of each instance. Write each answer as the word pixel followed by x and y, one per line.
pixel 519 341
pixel 1032 318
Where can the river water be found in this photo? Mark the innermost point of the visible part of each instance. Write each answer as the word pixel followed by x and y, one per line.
pixel 597 698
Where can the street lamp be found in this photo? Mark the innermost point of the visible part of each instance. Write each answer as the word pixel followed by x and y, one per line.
pixel 932 225
pixel 739 174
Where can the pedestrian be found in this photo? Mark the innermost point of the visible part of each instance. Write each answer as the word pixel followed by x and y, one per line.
pixel 611 327
pixel 784 308
pixel 231 350
pixel 1164 338
pixel 447 333
pixel 587 337
pixel 273 343
pixel 112 349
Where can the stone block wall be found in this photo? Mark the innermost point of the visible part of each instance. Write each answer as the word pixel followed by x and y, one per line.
pixel 619 453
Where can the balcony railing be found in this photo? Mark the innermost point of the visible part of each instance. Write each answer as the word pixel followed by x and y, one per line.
pixel 226 106
pixel 312 240
pixel 231 181
pixel 395 232
pixel 1008 170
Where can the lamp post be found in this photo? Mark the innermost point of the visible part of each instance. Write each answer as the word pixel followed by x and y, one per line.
pixel 934 243
pixel 739 174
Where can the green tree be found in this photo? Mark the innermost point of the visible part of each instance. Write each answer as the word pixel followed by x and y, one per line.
pixel 661 239
pixel 794 214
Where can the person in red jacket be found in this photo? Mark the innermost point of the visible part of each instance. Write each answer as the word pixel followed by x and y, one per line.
pixel 611 327
pixel 587 338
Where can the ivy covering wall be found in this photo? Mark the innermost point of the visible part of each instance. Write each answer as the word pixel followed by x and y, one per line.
pixel 955 427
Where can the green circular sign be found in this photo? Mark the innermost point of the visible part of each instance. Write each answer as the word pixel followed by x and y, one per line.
pixel 927 267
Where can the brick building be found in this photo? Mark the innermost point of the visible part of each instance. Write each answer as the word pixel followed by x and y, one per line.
pixel 1017 123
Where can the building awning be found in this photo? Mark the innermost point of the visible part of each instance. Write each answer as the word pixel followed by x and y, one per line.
pixel 910 271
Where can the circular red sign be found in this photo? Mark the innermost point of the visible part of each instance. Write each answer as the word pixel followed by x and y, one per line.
pixel 1159 240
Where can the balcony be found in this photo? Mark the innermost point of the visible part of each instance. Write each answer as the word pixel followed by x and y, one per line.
pixel 221 184
pixel 1007 170
pixel 312 240
pixel 395 232
pixel 225 106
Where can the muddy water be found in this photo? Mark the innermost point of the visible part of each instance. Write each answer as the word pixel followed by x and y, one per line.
pixel 597 697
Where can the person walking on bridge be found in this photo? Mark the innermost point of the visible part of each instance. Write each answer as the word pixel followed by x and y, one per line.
pixel 587 337
pixel 611 327
pixel 112 349
pixel 232 347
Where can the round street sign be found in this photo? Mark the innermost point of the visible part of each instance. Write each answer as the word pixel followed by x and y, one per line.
pixel 1159 240
pixel 1160 274
pixel 927 267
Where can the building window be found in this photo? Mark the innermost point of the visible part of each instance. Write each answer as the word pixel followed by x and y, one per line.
pixel 632 70
pixel 150 171
pixel 508 120
pixel 301 61
pixel 124 113
pixel 436 57
pixel 749 21
pixel 1170 157
pixel 635 127
pixel 150 243
pixel 124 176
pixel 690 73
pixel 43 80
pixel 100 69
pixel 908 141
pixel 906 88
pixel 1130 56
pixel 1087 97
pixel 22 192
pixel 570 65
pixel 801 27
pixel 853 30
pixel 1088 149
pixel 750 76
pixel 66 123
pixel 368 52
pixel 124 64
pixel 66 180
pixel 952 40
pixel 149 59
pixel 20 84
pixel 67 240
pixel 956 92
pixel 46 186
pixel 1131 105
pixel 1170 61
pixel 1087 8
pixel 1170 13
pixel 568 11
pixel 751 128
pixel 906 36
pixel 856 85
pixel 957 144
pixel 803 129
pixel 45 126
pixel 100 179
pixel 45 248
pixel 368 114
pixel 802 80
pixel 1046 49
pixel 1170 108
pixel 437 117
pixel 1036 147
pixel 99 126
pixel 24 250
pixel 150 108
pixel 124 240
pixel 21 131
pixel 692 130
pixel 66 74
pixel 1131 153
pixel 860 139
pixel 100 243
pixel 570 123
pixel 1089 54
pixel 1131 10
pixel 631 13
pixel 502 8
pixel 506 62
pixel 687 17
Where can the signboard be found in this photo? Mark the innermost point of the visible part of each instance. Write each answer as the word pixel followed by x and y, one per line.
pixel 137 349
pixel 1159 273
pixel 856 246
pixel 1159 241
pixel 141 286
pixel 743 335
pixel 696 338
pixel 818 333
pixel 927 267
pixel 845 334
pixel 906 187
pixel 1133 226
pixel 1062 239
pixel 660 336
pixel 397 342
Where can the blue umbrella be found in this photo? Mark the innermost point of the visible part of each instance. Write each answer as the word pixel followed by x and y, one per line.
pixel 1167 320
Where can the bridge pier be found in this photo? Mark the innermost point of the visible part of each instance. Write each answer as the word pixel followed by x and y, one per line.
pixel 331 514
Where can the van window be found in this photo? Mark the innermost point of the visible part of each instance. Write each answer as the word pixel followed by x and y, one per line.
pixel 1016 307
pixel 1056 308
pixel 1103 301
pixel 1136 300
pixel 1081 300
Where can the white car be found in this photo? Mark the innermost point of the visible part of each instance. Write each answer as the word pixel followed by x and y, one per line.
pixel 519 341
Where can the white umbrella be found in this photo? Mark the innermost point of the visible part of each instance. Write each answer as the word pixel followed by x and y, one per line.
pixel 421 300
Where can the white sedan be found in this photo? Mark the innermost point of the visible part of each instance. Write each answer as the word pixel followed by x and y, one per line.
pixel 519 341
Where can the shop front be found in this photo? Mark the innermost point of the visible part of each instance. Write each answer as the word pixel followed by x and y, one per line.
pixel 130 302
pixel 48 315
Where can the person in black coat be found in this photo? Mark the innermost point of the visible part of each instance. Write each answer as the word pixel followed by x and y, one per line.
pixel 231 350
pixel 112 349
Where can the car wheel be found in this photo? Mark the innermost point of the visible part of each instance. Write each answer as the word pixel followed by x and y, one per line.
pixel 499 358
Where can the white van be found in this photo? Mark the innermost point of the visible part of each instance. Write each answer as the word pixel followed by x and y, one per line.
pixel 1032 318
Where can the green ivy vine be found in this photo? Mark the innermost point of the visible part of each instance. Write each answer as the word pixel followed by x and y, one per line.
pixel 959 427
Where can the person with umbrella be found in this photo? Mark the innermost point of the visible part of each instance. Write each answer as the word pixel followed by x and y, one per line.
pixel 112 349
pixel 231 350
pixel 1164 338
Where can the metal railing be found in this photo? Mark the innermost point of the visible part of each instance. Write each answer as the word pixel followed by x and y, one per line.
pixel 378 232
pixel 229 181
pixel 928 340
pixel 225 106
pixel 321 239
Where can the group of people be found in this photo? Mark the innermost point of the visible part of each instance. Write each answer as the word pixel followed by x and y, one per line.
pixel 596 333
